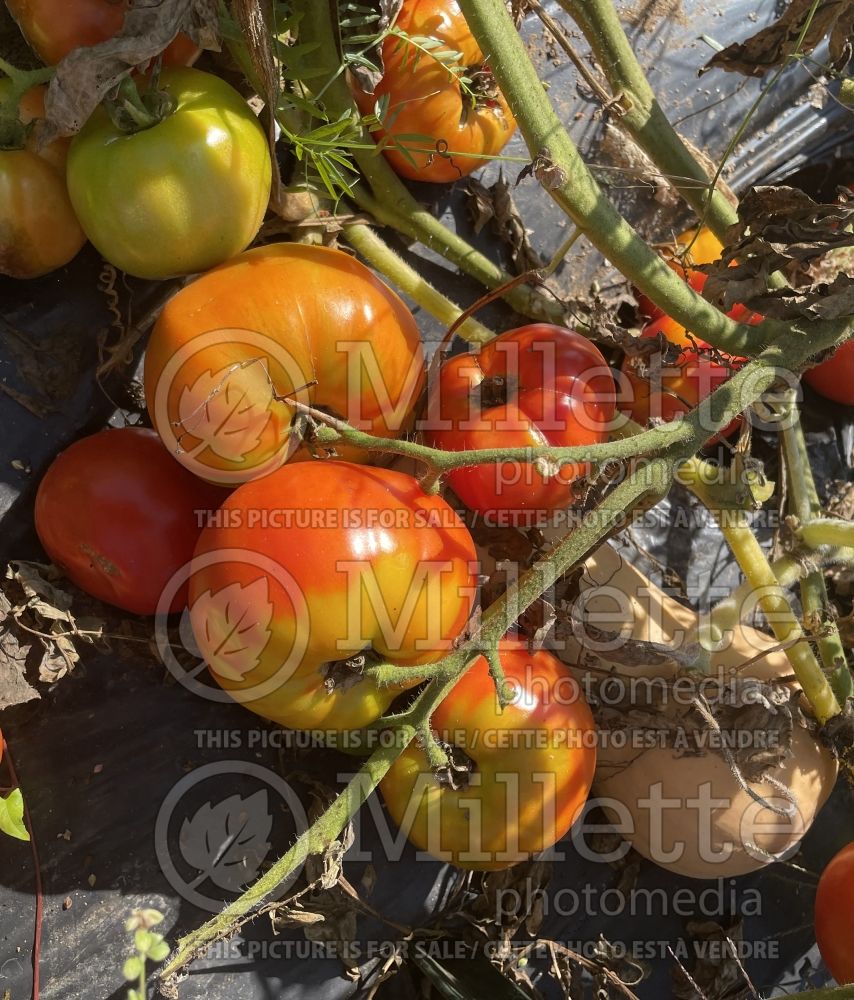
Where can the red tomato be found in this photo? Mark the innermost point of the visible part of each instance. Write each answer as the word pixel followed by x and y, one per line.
pixel 834 904
pixel 232 345
pixel 430 124
pixel 533 386
pixel 527 770
pixel 834 378
pixel 319 564
pixel 117 514
pixel 54 27
pixel 39 231
pixel 691 378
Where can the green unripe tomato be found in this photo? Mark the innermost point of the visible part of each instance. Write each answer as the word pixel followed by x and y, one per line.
pixel 181 196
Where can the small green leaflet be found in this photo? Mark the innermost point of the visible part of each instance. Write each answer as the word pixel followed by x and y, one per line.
pixel 12 815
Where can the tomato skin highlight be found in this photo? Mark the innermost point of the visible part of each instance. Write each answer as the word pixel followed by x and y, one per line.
pixel 54 27
pixel 117 514
pixel 559 391
pixel 316 315
pixel 834 904
pixel 317 563
pixel 533 765
pixel 425 99
pixel 179 197
pixel 39 231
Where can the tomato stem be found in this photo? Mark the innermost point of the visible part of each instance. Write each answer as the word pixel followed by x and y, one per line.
pixel 561 170
pixel 751 558
pixel 389 200
pixel 805 505
pixel 13 133
pixel 133 112
pixel 642 117
pixel 788 570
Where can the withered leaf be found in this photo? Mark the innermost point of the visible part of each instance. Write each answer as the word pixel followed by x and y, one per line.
pixel 782 229
pixel 86 75
pixel 495 205
pixel 14 687
pixel 773 45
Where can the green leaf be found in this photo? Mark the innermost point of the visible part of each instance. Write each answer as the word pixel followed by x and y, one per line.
pixel 135 995
pixel 467 978
pixel 846 93
pixel 158 951
pixel 132 969
pixel 12 815
pixel 142 941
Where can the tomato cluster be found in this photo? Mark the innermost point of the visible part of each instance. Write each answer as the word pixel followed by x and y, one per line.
pixel 306 574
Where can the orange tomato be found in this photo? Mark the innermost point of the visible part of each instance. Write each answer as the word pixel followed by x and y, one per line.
pixel 278 321
pixel 434 127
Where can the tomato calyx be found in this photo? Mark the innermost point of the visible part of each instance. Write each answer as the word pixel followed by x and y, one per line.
pixel 133 112
pixel 495 390
pixel 456 774
pixel 483 88
pixel 341 675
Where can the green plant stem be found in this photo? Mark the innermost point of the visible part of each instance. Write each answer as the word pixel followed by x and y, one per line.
pixel 805 505
pixel 735 525
pixel 788 570
pixel 561 170
pixel 642 116
pixel 389 200
pixel 827 531
pixel 652 479
pixel 314 840
pixel 379 255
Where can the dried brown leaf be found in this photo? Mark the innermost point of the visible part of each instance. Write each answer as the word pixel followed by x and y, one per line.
pixel 783 229
pixel 86 75
pixel 495 205
pixel 14 687
pixel 773 45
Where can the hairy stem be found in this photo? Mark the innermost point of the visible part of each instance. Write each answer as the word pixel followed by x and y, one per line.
pixel 389 200
pixel 643 117
pixel 561 170
pixel 314 840
pixel 805 505
pixel 750 556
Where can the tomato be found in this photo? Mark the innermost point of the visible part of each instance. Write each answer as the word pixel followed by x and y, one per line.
pixel 39 231
pixel 536 385
pixel 229 347
pixel 834 378
pixel 117 515
pixel 526 774
pixel 431 126
pixel 54 27
pixel 688 380
pixel 834 904
pixel 706 248
pixel 320 564
pixel 181 196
